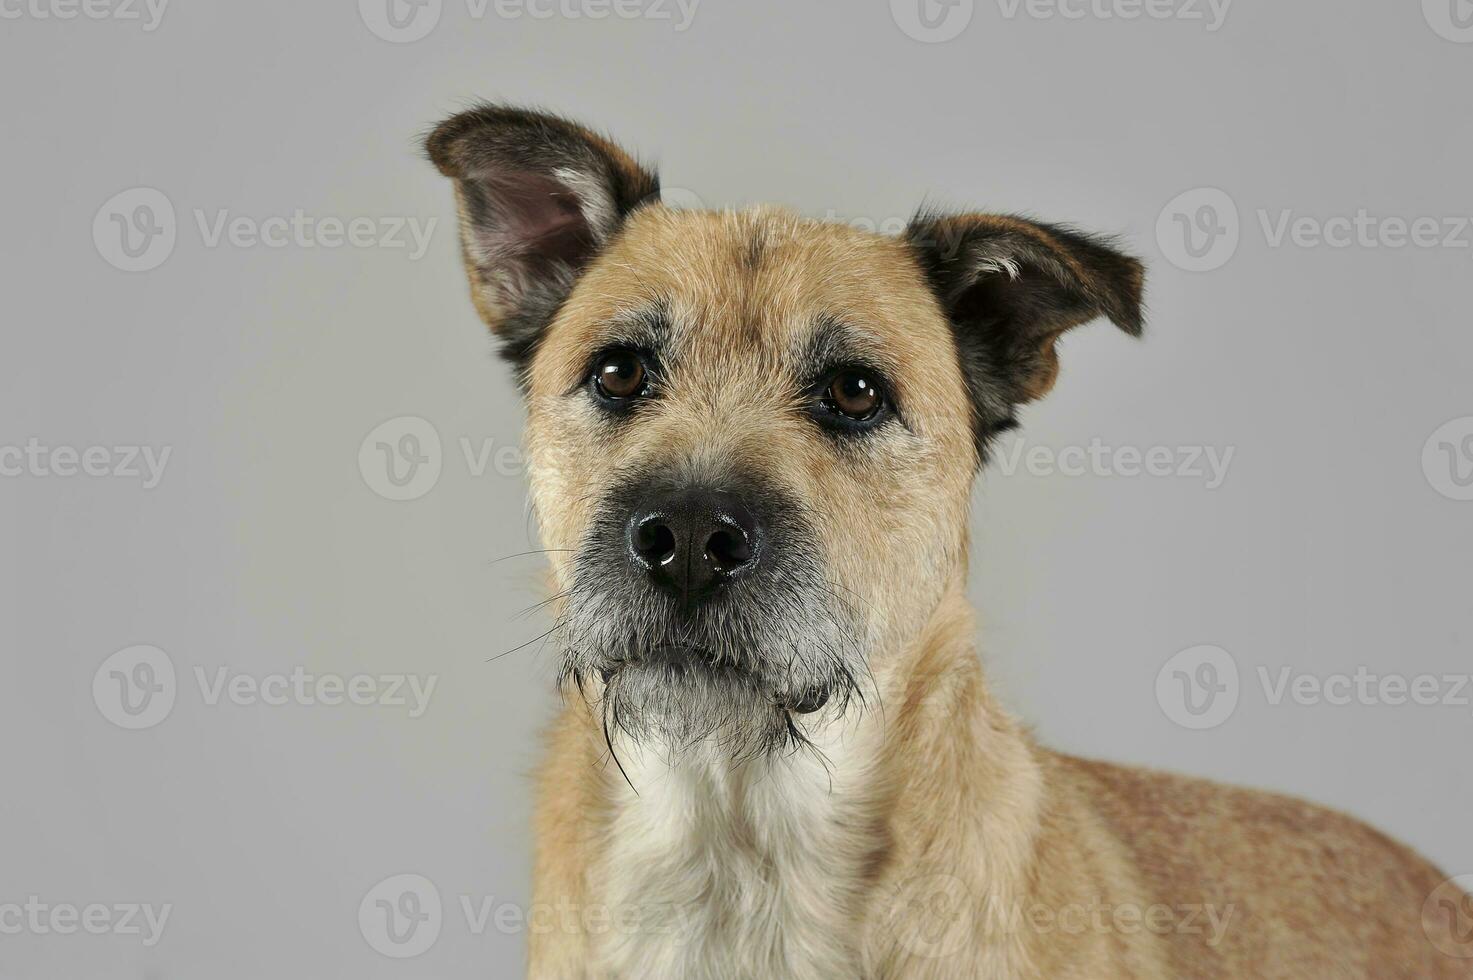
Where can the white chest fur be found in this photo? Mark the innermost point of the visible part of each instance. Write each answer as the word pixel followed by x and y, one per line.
pixel 722 870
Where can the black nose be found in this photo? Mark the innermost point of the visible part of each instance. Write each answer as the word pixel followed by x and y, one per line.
pixel 692 541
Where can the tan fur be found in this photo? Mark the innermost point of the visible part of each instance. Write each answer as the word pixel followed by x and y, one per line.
pixel 941 842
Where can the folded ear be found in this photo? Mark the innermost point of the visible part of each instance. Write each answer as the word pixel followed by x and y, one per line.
pixel 1011 287
pixel 538 197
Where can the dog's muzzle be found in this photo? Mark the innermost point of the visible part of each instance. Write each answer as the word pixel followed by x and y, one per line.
pixel 704 609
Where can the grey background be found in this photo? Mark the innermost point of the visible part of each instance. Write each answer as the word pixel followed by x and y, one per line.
pixel 1326 548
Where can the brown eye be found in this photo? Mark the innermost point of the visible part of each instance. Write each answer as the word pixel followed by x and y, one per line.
pixel 620 375
pixel 854 395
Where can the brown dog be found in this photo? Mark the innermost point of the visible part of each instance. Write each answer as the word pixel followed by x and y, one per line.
pixel 752 441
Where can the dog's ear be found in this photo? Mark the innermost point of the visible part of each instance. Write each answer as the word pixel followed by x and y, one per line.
pixel 538 197
pixel 1011 287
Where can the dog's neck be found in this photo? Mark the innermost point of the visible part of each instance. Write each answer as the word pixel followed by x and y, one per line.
pixel 760 864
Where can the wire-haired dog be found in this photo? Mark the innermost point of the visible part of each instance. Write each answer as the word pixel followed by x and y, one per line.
pixel 752 441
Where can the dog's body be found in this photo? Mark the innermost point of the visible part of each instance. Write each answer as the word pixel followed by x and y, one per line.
pixel 752 441
pixel 946 844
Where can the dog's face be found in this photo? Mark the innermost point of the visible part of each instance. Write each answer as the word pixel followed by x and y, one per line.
pixel 752 436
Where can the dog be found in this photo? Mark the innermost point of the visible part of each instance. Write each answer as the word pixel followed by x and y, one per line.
pixel 752 439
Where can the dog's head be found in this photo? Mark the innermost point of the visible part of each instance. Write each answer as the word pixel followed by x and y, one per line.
pixel 751 436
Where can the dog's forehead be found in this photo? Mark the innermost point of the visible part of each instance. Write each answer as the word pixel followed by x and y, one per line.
pixel 762 281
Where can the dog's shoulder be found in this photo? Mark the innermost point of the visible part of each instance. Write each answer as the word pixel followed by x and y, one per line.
pixel 1281 873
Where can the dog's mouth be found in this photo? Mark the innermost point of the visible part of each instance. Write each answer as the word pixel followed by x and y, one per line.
pixel 672 662
pixel 679 696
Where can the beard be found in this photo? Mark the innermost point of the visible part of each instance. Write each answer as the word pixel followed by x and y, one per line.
pixel 731 670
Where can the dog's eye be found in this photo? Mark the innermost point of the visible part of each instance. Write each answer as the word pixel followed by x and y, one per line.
pixel 620 374
pixel 855 395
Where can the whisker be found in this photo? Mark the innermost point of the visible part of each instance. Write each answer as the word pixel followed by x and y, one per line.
pixel 523 554
pixel 545 602
pixel 613 755
pixel 534 639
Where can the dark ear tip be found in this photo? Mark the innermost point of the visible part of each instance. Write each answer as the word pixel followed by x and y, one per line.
pixel 438 150
pixel 1127 309
pixel 440 144
pixel 446 143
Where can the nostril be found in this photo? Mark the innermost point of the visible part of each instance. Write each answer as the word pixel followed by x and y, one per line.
pixel 691 542
pixel 729 548
pixel 654 541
